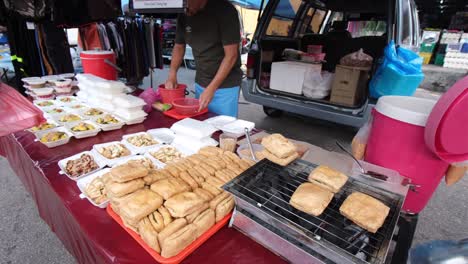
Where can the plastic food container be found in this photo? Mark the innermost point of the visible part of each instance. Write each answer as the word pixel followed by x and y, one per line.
pixel 136 149
pixel 62 83
pixel 220 121
pixel 36 83
pixel 110 162
pixel 244 148
pixel 131 115
pixel 67 75
pixel 169 95
pixel 84 134
pixel 237 128
pixel 43 91
pixel 26 80
pixel 313 57
pixel 50 121
pixel 189 145
pixel 50 78
pixel 164 135
pixel 44 103
pixel 137 157
pixel 109 127
pixel 134 121
pixel 63 163
pixel 67 100
pixel 83 182
pixel 110 87
pixel 57 143
pixel 128 101
pixel 227 142
pixel 193 128
pixel 186 106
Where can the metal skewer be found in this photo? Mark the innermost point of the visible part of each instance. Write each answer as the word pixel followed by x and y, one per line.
pixel 249 142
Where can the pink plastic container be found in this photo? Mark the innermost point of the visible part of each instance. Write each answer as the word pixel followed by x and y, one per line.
pixel 169 95
pixel 186 106
pixel 396 141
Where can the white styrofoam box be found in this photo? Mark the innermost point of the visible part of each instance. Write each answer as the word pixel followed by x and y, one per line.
pixel 237 128
pixel 133 121
pixel 51 112
pixel 63 164
pixel 122 112
pixel 66 100
pixel 109 127
pixel 288 76
pixel 192 145
pixel 37 102
pixel 110 162
pixel 128 101
pixel 57 119
pixel 110 87
pixel 164 135
pixel 82 96
pixel 84 134
pixel 193 128
pixel 137 157
pixel 184 151
pixel 55 143
pixel 136 149
pixel 50 121
pixel 83 182
pixel 219 121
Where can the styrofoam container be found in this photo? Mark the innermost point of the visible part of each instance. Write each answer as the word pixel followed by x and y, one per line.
pixel 137 157
pixel 84 134
pixel 53 115
pixel 192 145
pixel 82 95
pixel 83 182
pixel 83 113
pixel 29 79
pixel 67 75
pixel 237 128
pixel 37 102
pixel 136 149
pixel 128 101
pixel 43 91
pixel 193 128
pixel 164 135
pixel 63 163
pixel 133 121
pixel 63 90
pixel 110 162
pixel 160 164
pixel 220 121
pixel 110 87
pixel 50 78
pixel 130 115
pixel 156 162
pixel 57 119
pixel 73 100
pixel 109 127
pixel 73 108
pixel 55 143
pixel 50 121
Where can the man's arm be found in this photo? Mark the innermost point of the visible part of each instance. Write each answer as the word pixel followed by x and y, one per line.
pixel 178 53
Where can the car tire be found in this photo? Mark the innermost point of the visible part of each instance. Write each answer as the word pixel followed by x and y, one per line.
pixel 191 64
pixel 272 112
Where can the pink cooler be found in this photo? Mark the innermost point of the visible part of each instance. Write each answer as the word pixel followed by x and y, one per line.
pixel 396 141
pixel 99 63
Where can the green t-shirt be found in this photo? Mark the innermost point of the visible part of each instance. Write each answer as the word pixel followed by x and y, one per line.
pixel 207 32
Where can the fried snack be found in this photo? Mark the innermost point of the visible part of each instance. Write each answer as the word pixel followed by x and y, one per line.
pixel 188 179
pixel 224 208
pixel 218 199
pixel 196 176
pixel 249 161
pixel 169 187
pixel 157 221
pixel 167 154
pixel 173 170
pixel 81 166
pixel 145 162
pixel 124 173
pixel 328 178
pixel 204 221
pixel 167 218
pixel 180 166
pixel 226 159
pixel 95 190
pixel 213 190
pixel 178 241
pixel 202 171
pixel 194 215
pixel 215 182
pixel 207 168
pixel 230 173
pixel 204 194
pixel 243 165
pixel 170 229
pixel 154 176
pixel 142 140
pixel 311 199
pixel 222 176
pixel 217 165
pixel 279 146
pixel 148 234
pixel 232 156
pixel 133 227
pixel 139 204
pixel 114 151
pixel 365 211
pixel 195 159
pixel 182 204
pixel 235 169
pixel 275 159
pixel 210 151
pixel 117 189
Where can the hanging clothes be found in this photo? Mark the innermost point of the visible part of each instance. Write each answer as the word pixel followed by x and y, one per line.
pixel 57 47
pixel 88 37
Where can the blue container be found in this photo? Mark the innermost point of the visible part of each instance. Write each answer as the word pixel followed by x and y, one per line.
pixel 464 48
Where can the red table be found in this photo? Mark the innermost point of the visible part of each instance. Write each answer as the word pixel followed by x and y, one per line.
pixel 87 231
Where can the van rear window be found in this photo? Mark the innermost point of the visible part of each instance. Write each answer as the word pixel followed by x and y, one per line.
pixel 283 17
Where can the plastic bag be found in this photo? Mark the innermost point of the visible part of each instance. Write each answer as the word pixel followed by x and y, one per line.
pixel 317 85
pixel 399 74
pixel 150 96
pixel 359 143
pixel 16 112
pixel 357 59
pixel 456 172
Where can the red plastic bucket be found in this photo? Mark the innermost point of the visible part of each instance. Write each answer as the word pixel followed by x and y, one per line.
pixel 169 95
pixel 94 62
pixel 396 141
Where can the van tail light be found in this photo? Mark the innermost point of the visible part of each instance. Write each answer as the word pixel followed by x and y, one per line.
pixel 250 66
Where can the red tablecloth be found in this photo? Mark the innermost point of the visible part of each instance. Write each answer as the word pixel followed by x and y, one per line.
pixel 87 231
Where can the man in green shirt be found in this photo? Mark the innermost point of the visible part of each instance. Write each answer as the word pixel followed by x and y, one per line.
pixel 212 29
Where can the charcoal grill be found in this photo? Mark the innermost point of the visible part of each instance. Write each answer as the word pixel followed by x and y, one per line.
pixel 262 195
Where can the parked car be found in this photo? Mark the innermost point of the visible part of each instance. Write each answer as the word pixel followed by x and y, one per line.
pixel 295 24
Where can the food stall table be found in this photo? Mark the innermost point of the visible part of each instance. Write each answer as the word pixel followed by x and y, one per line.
pixel 88 232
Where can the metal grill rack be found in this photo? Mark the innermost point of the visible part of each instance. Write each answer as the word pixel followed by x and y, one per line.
pixel 263 192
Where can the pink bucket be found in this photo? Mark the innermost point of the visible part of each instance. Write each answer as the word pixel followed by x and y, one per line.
pixel 396 141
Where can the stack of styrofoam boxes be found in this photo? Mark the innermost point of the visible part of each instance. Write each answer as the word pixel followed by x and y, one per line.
pixel 455 57
pixel 450 37
pixel 110 97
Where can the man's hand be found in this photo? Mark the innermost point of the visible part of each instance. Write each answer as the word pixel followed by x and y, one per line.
pixel 171 83
pixel 206 97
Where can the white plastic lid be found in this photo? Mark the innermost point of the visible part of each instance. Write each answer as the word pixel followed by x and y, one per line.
pixel 193 128
pixel 97 52
pixel 128 101
pixel 412 110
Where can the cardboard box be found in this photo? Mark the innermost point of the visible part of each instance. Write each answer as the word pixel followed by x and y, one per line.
pixel 349 85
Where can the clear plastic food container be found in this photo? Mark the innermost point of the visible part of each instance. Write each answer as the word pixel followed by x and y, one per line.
pixel 63 164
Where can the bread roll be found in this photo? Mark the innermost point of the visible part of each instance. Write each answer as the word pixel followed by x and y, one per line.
pixel 178 241
pixel 170 229
pixel 204 221
pixel 194 215
pixel 218 199
pixel 195 159
pixel 224 208
pixel 204 194
pixel 140 204
pixel 210 151
pixel 148 234
pixel 279 146
pixel 167 218
pixel 328 178
pixel 188 179
pixel 124 173
pixel 169 187
pixel 213 190
pixel 182 204
pixel 280 161
pixel 116 189
pixel 234 158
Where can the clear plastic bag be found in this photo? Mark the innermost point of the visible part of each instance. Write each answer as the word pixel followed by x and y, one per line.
pixel 359 143
pixel 150 97
pixel 357 59
pixel 317 85
pixel 16 112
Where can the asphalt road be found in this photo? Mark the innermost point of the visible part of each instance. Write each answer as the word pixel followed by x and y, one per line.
pixel 25 238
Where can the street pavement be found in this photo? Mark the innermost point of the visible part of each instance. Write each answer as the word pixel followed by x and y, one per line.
pixel 25 238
